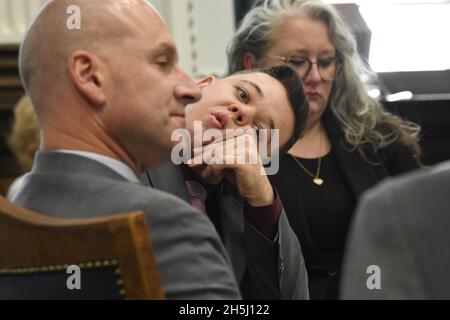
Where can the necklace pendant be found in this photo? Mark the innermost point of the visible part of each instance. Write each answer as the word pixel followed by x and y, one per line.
pixel 318 181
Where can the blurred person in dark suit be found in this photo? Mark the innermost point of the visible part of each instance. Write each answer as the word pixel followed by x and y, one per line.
pixel 398 244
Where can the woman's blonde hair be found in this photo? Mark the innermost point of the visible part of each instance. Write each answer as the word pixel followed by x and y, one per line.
pixel 24 137
pixel 360 116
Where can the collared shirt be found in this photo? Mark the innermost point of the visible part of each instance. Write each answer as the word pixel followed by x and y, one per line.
pixel 115 165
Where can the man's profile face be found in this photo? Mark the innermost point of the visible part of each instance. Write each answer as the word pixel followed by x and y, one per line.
pixel 243 101
pixel 148 91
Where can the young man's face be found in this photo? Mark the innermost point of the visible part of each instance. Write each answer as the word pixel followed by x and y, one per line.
pixel 243 101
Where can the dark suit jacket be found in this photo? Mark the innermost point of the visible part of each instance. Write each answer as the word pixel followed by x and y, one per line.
pixel 360 174
pixel 191 259
pixel 264 269
pixel 403 227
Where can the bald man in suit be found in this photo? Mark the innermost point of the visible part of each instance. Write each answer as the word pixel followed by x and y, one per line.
pixel 108 96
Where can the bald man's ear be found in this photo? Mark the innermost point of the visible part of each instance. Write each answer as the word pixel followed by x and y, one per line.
pixel 249 61
pixel 86 74
pixel 206 82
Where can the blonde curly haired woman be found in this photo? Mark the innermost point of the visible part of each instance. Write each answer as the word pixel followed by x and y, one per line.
pixel 24 139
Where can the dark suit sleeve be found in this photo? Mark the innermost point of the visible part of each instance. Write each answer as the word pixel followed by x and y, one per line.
pixel 276 269
pixel 378 238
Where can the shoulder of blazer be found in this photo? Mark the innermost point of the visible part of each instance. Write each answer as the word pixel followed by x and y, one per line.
pixel 361 173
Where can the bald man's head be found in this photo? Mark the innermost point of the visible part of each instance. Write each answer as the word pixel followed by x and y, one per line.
pixel 113 87
pixel 49 42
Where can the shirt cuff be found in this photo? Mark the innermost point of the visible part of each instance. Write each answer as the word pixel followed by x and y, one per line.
pixel 265 219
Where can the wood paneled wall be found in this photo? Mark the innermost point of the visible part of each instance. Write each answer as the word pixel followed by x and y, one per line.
pixel 10 92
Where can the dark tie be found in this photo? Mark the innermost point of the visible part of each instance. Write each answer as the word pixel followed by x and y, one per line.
pixel 198 195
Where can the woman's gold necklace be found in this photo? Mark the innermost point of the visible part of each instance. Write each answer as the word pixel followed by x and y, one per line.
pixel 316 178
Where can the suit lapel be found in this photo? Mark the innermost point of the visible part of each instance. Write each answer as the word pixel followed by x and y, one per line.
pixel 168 178
pixel 232 223
pixel 359 173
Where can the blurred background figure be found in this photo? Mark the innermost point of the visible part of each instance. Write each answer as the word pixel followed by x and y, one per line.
pixel 350 143
pixel 24 139
pixel 398 246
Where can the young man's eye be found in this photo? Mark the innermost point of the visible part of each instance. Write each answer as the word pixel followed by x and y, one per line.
pixel 243 95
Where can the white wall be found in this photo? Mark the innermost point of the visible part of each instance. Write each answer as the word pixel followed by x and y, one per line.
pixel 15 16
pixel 201 29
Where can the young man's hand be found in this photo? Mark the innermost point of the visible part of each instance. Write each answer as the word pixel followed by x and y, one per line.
pixel 237 160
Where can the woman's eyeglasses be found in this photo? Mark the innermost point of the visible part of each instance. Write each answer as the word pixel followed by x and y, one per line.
pixel 328 68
